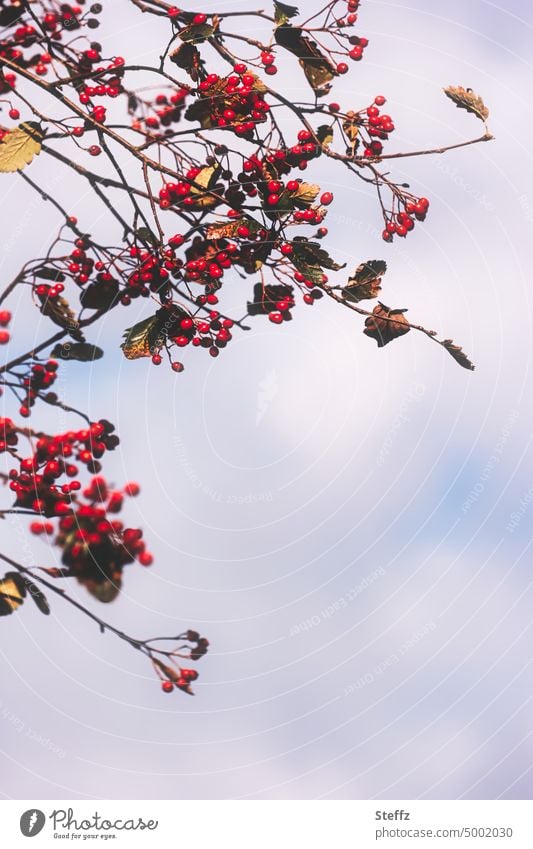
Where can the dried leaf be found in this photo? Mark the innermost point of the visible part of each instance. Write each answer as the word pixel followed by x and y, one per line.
pixel 81 351
pixel 19 146
pixel 38 596
pixel 187 57
pixel 100 295
pixel 458 354
pixel 228 229
pixel 386 324
pixel 366 282
pixel 12 593
pixel 205 180
pixel 310 259
pixel 45 273
pixel 324 134
pixel 465 98
pixel 104 589
pixel 59 311
pixel 147 337
pixel 266 297
pixel 318 69
pixel 283 12
pixel 305 195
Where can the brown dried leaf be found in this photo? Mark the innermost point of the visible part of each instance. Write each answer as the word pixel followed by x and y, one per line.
pixel 465 98
pixel 458 354
pixel 386 324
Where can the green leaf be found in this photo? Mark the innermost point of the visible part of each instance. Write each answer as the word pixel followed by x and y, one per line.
pixel 49 274
pixel 196 33
pixel 144 339
pixel 283 12
pixel 311 259
pixel 19 146
pixel 146 235
pixel 465 98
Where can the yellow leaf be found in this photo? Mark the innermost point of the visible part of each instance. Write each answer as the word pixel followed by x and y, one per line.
pixel 12 592
pixel 19 146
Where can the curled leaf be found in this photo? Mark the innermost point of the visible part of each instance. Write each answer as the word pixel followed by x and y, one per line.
pixel 318 69
pixel 19 146
pixel 465 98
pixel 187 57
pixel 458 354
pixel 366 282
pixel 386 324
pixel 311 259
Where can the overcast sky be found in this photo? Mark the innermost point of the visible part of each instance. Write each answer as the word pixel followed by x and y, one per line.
pixel 383 497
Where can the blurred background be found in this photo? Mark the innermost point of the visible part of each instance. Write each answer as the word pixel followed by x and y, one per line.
pixel 350 527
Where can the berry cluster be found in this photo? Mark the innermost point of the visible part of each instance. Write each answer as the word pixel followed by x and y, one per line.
pixel 40 377
pixel 235 102
pixel 5 318
pixel 36 483
pixel 401 222
pixel 163 111
pixel 8 435
pixel 96 547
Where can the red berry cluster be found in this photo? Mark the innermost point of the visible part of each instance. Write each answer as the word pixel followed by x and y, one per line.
pixel 236 101
pixel 401 222
pixel 5 318
pixel 208 259
pixel 96 547
pixel 167 109
pixel 40 377
pixel 36 484
pixel 151 275
pixel 8 435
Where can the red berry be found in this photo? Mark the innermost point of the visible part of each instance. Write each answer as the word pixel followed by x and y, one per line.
pixel 132 489
pixel 167 686
pixel 200 19
pixel 380 100
pixel 95 150
pixel 4 337
pixel 156 359
pixel 14 114
pixel 271 70
pixel 273 200
pixel 275 317
pixel 342 68
pixel 5 317
pixel 326 198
